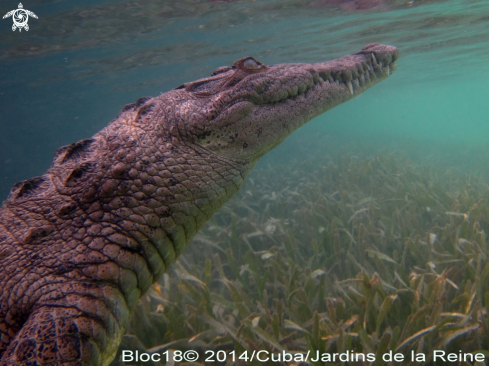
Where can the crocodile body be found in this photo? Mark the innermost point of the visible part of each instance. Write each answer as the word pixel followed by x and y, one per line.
pixel 80 244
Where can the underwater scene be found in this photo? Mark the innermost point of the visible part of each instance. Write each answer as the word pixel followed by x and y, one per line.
pixel 361 239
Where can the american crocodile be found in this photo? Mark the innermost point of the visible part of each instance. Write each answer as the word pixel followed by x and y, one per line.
pixel 80 244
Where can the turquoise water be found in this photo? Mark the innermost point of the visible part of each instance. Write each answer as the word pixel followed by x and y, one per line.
pixel 79 65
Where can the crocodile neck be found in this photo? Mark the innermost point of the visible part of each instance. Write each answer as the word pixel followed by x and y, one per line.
pixel 122 218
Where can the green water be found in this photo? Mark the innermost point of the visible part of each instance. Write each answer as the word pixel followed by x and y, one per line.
pixel 80 64
pixel 391 185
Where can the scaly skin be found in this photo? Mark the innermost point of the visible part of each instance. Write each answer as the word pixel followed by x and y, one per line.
pixel 81 244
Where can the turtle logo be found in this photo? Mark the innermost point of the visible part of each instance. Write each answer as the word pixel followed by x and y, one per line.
pixel 20 17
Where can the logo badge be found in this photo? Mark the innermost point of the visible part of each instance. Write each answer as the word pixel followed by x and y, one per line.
pixel 20 17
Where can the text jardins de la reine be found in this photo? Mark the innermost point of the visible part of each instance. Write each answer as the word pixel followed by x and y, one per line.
pixel 284 356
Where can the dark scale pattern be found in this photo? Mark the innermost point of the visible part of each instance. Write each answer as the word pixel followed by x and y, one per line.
pixel 82 243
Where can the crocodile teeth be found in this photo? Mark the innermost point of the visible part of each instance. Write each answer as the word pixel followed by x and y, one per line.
pixel 374 60
pixel 350 87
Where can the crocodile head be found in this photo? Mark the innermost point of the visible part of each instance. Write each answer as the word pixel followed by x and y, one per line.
pixel 245 110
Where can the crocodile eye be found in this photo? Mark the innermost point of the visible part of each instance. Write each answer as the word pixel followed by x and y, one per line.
pixel 250 63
